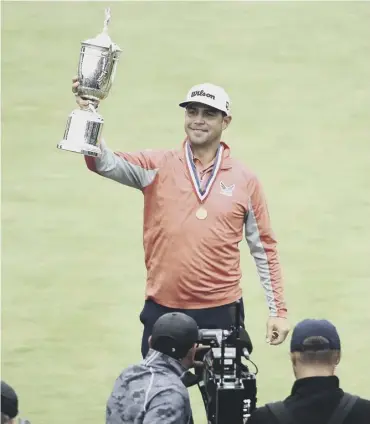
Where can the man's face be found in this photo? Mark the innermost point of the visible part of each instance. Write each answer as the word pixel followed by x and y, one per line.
pixel 204 124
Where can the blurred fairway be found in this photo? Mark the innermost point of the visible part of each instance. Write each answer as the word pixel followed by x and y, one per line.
pixel 73 275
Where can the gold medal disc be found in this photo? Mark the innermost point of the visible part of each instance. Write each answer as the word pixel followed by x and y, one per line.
pixel 201 213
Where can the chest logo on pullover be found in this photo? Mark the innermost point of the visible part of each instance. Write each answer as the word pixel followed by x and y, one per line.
pixel 226 190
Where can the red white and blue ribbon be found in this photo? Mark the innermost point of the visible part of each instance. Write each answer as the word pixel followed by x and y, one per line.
pixel 203 193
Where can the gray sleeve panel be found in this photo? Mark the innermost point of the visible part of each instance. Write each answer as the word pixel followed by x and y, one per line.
pixel 259 255
pixel 118 168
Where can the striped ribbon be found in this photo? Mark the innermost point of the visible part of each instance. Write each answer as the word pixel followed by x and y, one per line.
pixel 203 193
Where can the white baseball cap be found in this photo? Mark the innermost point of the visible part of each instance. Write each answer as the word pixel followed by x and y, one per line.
pixel 209 94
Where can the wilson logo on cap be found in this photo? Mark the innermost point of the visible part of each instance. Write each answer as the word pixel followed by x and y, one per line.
pixel 210 95
pixel 203 93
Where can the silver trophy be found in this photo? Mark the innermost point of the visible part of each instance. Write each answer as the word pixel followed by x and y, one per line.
pixel 96 71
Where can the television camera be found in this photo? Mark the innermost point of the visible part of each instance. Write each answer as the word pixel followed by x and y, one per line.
pixel 228 387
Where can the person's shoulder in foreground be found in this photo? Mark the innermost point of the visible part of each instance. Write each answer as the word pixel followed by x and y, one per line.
pixel 10 405
pixel 153 392
pixel 147 390
pixel 316 394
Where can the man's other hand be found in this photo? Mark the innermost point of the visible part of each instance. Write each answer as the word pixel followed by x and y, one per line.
pixel 277 330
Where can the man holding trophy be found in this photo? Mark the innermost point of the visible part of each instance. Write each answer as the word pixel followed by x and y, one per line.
pixel 198 202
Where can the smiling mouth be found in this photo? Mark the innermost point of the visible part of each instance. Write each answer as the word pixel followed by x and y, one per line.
pixel 198 129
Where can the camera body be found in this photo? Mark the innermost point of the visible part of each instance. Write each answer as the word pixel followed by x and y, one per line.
pixel 228 387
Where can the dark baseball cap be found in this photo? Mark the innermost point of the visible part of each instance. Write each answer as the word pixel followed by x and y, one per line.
pixel 9 400
pixel 315 328
pixel 174 334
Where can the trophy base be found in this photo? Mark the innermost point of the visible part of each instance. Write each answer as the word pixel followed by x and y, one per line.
pixel 84 149
pixel 82 133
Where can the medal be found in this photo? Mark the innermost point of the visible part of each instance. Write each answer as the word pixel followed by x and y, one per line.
pixel 202 194
pixel 201 213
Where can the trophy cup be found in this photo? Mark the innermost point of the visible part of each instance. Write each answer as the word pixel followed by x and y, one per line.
pixel 96 71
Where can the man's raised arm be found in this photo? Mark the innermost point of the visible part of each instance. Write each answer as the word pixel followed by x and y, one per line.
pixel 136 170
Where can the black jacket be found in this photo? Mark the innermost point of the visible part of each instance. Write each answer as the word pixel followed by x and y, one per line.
pixel 312 401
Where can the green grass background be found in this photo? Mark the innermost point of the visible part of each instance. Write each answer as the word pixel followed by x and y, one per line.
pixel 73 275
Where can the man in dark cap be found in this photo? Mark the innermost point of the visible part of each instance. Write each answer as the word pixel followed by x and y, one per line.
pixel 153 392
pixel 316 395
pixel 9 404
